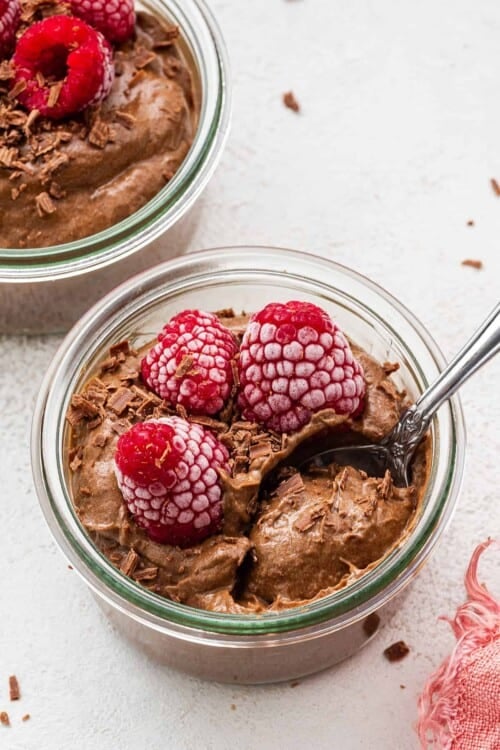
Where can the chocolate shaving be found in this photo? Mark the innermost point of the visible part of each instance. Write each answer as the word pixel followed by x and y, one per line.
pixel 292 485
pixel 396 651
pixel 226 312
pixel 477 264
pixel 26 717
pixel 470 223
pixel 4 718
pixel 495 186
pixel 129 563
pixel 6 70
pixel 75 459
pixel 125 119
pixel 390 367
pixel 56 191
pixel 14 691
pixel 184 366
pixel 371 624
pixel 80 408
pixel 147 574
pixel 122 347
pixel 169 37
pixel 291 102
pixel 54 93
pixel 121 426
pixel 17 88
pixel 236 374
pixel 100 134
pixel 143 57
pixel 120 400
pixel 260 450
pixel 212 424
pixel 44 204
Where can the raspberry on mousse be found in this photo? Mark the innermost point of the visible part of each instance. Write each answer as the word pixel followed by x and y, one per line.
pixel 192 363
pixel 61 66
pixel 167 471
pixel 115 19
pixel 294 361
pixel 10 12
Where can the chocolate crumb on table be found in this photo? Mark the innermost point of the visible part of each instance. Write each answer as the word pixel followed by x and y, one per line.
pixel 26 717
pixel 4 718
pixel 396 651
pixel 470 223
pixel 478 264
pixel 14 691
pixel 290 101
pixel 495 186
pixel 371 624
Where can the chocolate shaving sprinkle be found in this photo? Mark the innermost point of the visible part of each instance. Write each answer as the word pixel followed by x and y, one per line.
pixel 390 367
pixel 14 691
pixel 184 366
pixel 44 204
pixel 4 718
pixel 396 651
pixel 169 37
pixel 143 57
pixel 129 563
pixel 100 134
pixel 495 186
pixel 122 347
pixel 26 717
pixel 120 400
pixel 371 624
pixel 477 264
pixel 147 574
pixel 6 70
pixel 54 93
pixel 125 119
pixel 291 102
pixel 17 89
pixel 226 312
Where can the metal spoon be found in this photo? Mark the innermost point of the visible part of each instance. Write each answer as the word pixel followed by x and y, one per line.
pixel 396 449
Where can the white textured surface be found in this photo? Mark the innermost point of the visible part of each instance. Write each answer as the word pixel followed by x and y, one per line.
pixel 391 155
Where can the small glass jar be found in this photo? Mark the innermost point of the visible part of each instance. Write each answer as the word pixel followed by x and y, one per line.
pixel 274 645
pixel 47 289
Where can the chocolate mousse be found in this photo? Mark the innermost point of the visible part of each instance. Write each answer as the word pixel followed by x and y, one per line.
pixel 64 180
pixel 290 534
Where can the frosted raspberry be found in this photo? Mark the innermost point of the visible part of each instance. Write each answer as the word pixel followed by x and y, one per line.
pixel 113 18
pixel 167 472
pixel 294 361
pixel 191 363
pixel 65 64
pixel 10 12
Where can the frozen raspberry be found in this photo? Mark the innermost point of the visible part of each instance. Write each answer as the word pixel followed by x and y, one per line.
pixel 167 472
pixel 294 361
pixel 66 65
pixel 191 363
pixel 113 18
pixel 10 12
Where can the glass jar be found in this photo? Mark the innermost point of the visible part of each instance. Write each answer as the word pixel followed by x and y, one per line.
pixel 47 289
pixel 274 645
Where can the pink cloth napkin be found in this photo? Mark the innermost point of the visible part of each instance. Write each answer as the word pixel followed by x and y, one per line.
pixel 459 708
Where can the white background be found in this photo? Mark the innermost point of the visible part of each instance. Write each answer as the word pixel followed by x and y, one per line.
pixel 391 155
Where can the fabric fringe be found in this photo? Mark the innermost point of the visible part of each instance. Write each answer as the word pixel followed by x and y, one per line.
pixel 476 624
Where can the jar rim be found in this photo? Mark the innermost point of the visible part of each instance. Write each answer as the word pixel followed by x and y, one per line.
pixel 372 589
pixel 202 35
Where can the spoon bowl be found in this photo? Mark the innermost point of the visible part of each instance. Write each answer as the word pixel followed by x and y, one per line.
pixel 395 450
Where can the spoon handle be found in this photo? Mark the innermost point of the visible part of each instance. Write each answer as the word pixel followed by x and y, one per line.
pixel 483 345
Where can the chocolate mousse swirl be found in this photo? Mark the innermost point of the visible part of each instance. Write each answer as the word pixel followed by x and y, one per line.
pixel 289 536
pixel 62 181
